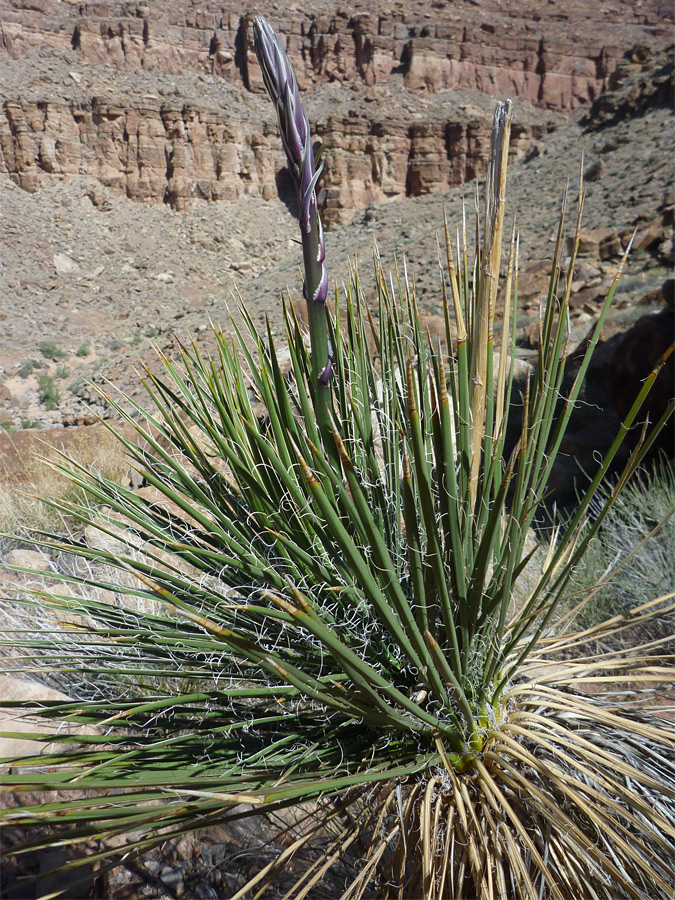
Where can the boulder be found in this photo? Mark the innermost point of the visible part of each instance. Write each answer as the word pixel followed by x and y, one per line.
pixel 14 689
pixel 28 559
pixel 599 243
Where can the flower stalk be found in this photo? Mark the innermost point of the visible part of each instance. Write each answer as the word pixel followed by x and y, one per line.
pixel 282 87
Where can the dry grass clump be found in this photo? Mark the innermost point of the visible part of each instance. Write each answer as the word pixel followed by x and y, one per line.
pixel 28 476
pixel 632 560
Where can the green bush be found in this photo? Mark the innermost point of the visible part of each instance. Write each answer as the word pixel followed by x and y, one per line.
pixel 51 350
pixel 27 367
pixel 621 568
pixel 83 350
pixel 320 609
pixel 49 392
pixel 76 384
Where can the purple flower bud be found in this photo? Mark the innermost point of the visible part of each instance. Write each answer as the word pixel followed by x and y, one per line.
pixel 321 292
pixel 282 87
pixel 321 253
pixel 324 377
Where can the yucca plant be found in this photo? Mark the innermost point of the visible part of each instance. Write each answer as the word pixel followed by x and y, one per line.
pixel 322 610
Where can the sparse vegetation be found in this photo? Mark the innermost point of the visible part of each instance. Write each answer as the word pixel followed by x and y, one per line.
pixel 657 274
pixel 76 384
pixel 51 350
pixel 83 350
pixel 152 331
pixel 27 367
pixel 30 423
pixel 630 284
pixel 23 513
pixel 628 315
pixel 622 570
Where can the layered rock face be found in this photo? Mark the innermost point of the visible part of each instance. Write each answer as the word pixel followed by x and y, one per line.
pixel 156 152
pixel 176 152
pixel 560 59
pixel 369 161
pixel 164 103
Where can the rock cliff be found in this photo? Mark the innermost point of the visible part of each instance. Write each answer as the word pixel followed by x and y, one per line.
pixel 175 151
pixel 163 102
pixel 559 59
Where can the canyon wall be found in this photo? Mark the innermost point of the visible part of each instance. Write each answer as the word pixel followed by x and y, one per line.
pixel 535 52
pixel 164 101
pixel 175 152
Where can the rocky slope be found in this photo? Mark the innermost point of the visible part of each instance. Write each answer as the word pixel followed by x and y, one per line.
pixel 96 119
pixel 90 278
pixel 539 53
pixel 220 142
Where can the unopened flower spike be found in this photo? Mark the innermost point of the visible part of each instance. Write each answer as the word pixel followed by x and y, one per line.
pixel 282 87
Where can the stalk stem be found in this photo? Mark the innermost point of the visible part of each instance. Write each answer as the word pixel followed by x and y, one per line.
pixel 282 87
pixel 317 320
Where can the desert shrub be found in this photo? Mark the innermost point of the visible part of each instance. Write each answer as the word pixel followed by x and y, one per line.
pixel 333 566
pixel 77 384
pixel 51 350
pixel 623 566
pixel 49 392
pixel 23 513
pixel 630 284
pixel 27 367
pixel 83 350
